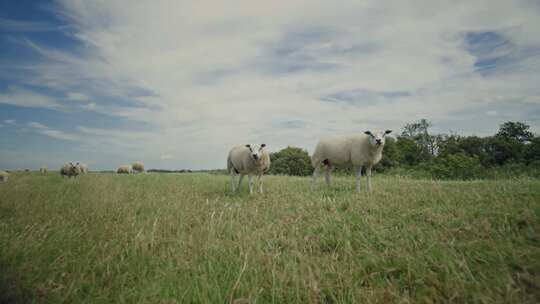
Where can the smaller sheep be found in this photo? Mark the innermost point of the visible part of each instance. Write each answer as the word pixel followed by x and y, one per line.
pixel 125 169
pixel 138 166
pixel 43 170
pixel 250 160
pixel 358 150
pixel 84 168
pixel 4 176
pixel 70 170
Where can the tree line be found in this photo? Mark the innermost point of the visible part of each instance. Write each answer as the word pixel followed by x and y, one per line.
pixel 513 151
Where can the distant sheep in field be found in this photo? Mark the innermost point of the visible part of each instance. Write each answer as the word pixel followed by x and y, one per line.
pixel 84 168
pixel 138 167
pixel 43 170
pixel 70 169
pixel 250 160
pixel 4 176
pixel 360 150
pixel 125 169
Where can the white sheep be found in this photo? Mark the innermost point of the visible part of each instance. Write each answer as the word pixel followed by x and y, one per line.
pixel 248 160
pixel 70 169
pixel 4 176
pixel 84 168
pixel 138 166
pixel 359 150
pixel 43 170
pixel 125 169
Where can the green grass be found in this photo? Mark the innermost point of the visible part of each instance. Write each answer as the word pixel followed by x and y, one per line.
pixel 173 238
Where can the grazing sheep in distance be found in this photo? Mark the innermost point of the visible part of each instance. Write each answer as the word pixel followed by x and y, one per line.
pixel 84 168
pixel 4 176
pixel 359 150
pixel 43 170
pixel 250 160
pixel 70 169
pixel 124 169
pixel 138 166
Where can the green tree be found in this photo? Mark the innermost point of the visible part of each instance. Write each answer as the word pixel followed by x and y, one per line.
pixel 472 146
pixel 531 152
pixel 390 155
pixel 501 150
pixel 516 130
pixel 410 153
pixel 509 143
pixel 418 131
pixel 291 161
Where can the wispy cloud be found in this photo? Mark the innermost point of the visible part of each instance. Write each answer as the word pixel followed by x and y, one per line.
pixel 36 125
pixel 364 97
pixel 26 98
pixel 77 96
pixel 50 132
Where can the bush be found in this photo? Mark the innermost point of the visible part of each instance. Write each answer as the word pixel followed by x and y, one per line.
pixel 453 166
pixel 291 161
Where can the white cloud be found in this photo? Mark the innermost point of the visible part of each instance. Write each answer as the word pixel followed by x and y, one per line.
pixel 25 98
pixel 50 132
pixel 57 134
pixel 9 121
pixel 77 96
pixel 205 75
pixel 36 125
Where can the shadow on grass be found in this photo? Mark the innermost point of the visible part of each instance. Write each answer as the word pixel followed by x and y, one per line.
pixel 10 291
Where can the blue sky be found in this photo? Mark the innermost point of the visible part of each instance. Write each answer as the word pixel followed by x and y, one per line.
pixel 176 84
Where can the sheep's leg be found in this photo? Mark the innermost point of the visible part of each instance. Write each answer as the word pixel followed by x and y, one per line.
pixel 329 169
pixel 233 182
pixel 315 176
pixel 250 182
pixel 368 174
pixel 358 176
pixel 260 183
pixel 240 181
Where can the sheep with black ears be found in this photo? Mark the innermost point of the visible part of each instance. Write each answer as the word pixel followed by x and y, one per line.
pixel 248 160
pixel 43 170
pixel 70 169
pixel 359 150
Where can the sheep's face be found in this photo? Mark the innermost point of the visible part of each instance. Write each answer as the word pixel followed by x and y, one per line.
pixel 377 139
pixel 74 168
pixel 255 151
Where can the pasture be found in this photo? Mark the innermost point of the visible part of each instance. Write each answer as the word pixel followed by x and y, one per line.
pixel 184 238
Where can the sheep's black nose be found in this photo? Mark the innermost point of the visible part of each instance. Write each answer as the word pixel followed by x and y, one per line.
pixel 255 156
pixel 378 141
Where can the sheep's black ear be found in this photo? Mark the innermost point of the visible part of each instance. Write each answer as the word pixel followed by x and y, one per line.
pixel 387 131
pixel 368 133
pixel 248 146
pixel 263 145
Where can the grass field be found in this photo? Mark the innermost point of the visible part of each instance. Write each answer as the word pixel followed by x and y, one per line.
pixel 173 238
